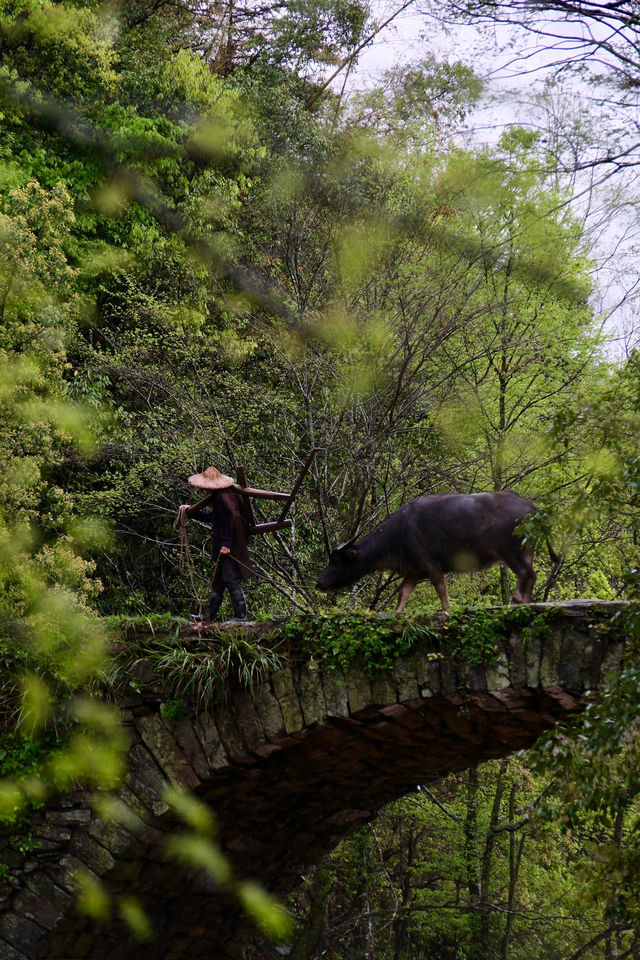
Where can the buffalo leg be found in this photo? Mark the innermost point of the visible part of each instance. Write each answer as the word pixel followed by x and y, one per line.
pixel 406 589
pixel 523 569
pixel 441 589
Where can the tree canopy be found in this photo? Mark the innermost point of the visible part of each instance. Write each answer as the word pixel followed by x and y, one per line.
pixel 210 256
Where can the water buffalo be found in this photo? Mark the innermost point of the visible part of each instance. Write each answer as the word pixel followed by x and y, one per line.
pixel 427 537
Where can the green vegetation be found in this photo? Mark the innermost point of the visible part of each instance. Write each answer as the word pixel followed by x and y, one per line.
pixel 197 670
pixel 207 256
pixel 373 643
pixel 346 641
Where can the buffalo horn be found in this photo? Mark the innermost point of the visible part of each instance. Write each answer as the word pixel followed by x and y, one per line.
pixel 347 543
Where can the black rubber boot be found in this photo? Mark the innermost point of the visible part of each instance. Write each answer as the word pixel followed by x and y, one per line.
pixel 239 605
pixel 213 604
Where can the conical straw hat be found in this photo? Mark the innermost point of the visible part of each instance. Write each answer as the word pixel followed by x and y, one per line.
pixel 211 479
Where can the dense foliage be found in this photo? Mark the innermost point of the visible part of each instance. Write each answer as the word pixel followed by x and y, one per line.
pixel 204 261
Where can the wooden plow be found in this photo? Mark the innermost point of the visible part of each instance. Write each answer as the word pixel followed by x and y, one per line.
pixel 248 493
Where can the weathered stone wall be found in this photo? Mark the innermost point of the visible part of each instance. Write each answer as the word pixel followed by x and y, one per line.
pixel 289 768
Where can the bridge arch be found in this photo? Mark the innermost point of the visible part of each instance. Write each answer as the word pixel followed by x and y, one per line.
pixel 290 768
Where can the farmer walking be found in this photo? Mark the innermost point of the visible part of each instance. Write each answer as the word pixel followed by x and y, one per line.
pixel 223 508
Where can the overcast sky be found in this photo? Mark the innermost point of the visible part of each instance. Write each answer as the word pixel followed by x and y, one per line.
pixel 511 81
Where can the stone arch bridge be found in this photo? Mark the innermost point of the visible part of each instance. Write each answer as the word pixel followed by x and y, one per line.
pixel 289 768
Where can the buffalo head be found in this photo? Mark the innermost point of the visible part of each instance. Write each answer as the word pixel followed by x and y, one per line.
pixel 343 568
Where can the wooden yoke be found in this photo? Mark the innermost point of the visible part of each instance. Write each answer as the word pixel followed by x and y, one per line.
pixel 283 522
pixel 247 493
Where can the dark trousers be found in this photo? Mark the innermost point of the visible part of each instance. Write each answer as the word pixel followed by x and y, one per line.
pixel 227 576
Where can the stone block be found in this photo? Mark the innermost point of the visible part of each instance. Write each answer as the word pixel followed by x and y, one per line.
pixel 7 952
pixel 267 749
pixel 568 702
pixel 134 804
pixel 91 853
pixel 45 909
pixel 383 689
pixel 6 892
pixel 282 682
pixel 206 730
pixel 285 691
pixel 472 678
pixel 51 833
pixel 570 673
pixel 69 817
pixel 20 932
pixel 13 859
pixel 509 698
pixel 405 679
pixel 428 674
pixel 311 697
pixel 335 694
pixel 79 799
pixel 549 666
pixel 269 712
pixel 448 678
pixel 43 886
pixel 188 742
pixel 69 866
pixel 125 815
pixel 231 737
pixel 146 781
pixel 532 660
pixel 458 720
pixel 518 668
pixel 166 752
pixel 116 837
pixel 291 712
pixel 358 690
pixel 498 677
pixel 395 711
pixel 247 720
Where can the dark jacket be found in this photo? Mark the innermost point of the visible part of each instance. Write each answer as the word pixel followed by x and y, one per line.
pixel 229 528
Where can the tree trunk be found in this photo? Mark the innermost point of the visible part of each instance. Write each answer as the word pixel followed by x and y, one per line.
pixel 367 928
pixel 472 864
pixel 401 923
pixel 612 950
pixel 487 855
pixel 309 940
pixel 515 857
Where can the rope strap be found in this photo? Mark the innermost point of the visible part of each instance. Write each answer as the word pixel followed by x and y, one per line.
pixel 186 561
pixel 180 524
